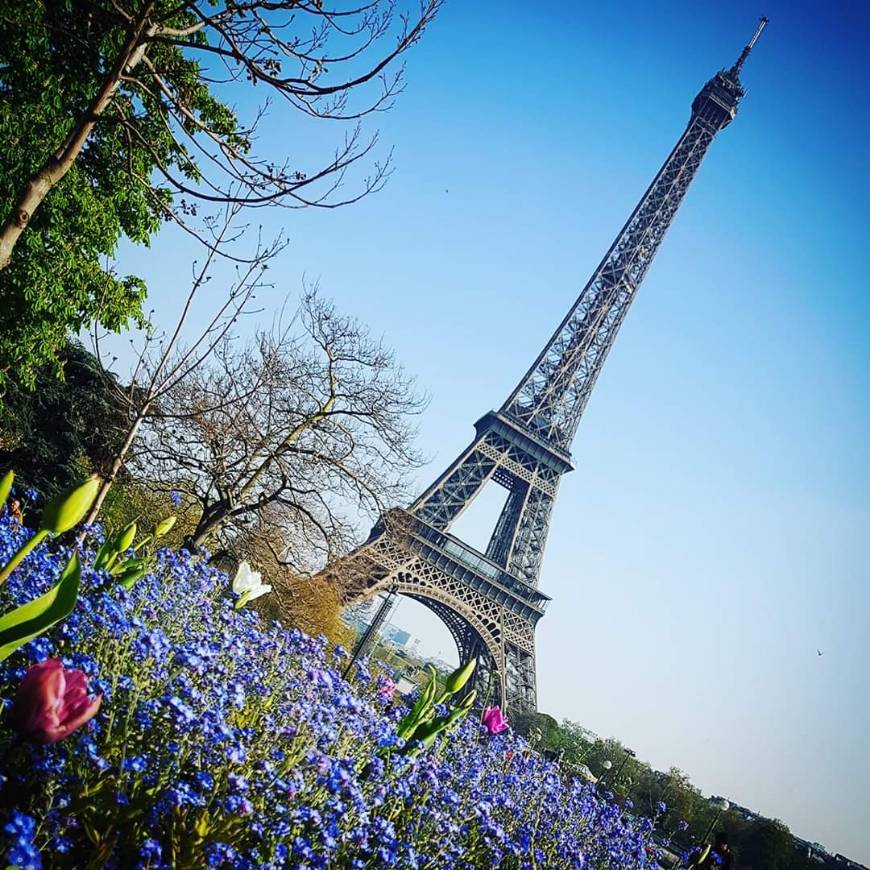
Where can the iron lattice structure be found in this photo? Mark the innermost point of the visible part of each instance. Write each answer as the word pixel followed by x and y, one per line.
pixel 490 601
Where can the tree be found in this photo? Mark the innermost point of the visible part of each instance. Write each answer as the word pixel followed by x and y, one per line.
pixel 164 362
pixel 308 418
pixel 768 845
pixel 543 727
pixel 684 804
pixel 114 117
pixel 311 604
pixel 63 430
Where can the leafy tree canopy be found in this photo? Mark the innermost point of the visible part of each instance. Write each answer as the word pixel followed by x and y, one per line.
pixel 51 55
pixel 114 117
pixel 64 429
pixel 768 845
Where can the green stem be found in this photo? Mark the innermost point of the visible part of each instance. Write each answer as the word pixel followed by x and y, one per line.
pixel 142 543
pixel 16 560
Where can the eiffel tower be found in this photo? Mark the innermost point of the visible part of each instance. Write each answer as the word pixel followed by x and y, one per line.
pixel 490 601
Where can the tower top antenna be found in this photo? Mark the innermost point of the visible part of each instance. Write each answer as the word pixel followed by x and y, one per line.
pixel 735 70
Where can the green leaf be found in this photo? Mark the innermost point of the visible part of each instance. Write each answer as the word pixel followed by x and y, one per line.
pixel 105 552
pixel 6 486
pixel 420 709
pixel 32 619
pixel 128 566
pixel 131 575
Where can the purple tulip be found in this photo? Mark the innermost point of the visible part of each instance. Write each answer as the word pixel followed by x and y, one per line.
pixel 52 702
pixel 494 720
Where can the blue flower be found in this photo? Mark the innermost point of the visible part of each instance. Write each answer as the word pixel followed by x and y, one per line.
pixel 241 738
pixel 136 764
pixel 21 851
pixel 150 853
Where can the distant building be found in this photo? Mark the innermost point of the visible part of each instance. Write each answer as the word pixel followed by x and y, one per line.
pixel 815 852
pixel 404 686
pixel 847 863
pixel 397 636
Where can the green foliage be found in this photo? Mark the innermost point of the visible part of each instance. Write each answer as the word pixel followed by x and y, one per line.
pixel 61 431
pixel 422 724
pixel 545 728
pixel 768 845
pixel 126 559
pixel 35 617
pixel 64 512
pixel 762 844
pixel 135 501
pixel 29 620
pixel 53 58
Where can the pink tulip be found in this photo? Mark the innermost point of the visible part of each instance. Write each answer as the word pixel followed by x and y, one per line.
pixel 494 721
pixel 52 702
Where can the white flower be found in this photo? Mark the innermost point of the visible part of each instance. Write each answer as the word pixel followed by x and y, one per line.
pixel 248 585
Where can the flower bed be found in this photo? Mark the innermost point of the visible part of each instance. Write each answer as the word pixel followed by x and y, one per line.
pixel 224 742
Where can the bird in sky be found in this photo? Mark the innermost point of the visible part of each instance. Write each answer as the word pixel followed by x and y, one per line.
pixel 819 652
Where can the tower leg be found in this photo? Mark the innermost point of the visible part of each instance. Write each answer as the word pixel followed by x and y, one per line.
pixel 520 689
pixel 366 641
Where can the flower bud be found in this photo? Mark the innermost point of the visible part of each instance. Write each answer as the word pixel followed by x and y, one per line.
pixel 468 701
pixel 69 508
pixel 493 720
pixel 52 702
pixel 164 526
pixel 460 677
pixel 6 486
pixel 125 539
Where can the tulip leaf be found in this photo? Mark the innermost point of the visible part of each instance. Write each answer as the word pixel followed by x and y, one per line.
pixel 6 486
pixel 127 578
pixel 32 619
pixel 420 709
pixel 127 567
pixel 104 553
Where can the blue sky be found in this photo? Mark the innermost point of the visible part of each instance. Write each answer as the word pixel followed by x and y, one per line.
pixel 715 532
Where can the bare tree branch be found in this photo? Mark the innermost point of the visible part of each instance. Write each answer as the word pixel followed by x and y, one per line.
pixel 310 422
pixel 163 364
pixel 328 63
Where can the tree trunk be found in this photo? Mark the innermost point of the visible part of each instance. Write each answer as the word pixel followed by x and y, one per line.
pixel 214 517
pixel 211 519
pixel 117 464
pixel 63 159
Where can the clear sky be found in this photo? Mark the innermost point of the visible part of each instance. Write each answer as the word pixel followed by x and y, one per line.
pixel 715 532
